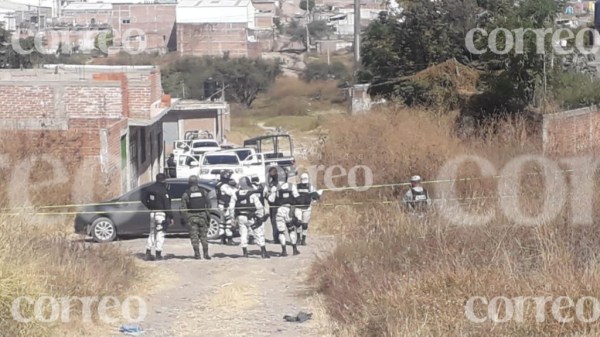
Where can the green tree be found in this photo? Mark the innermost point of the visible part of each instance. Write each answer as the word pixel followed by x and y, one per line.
pixel 103 41
pixel 310 7
pixel 425 33
pixel 243 78
pixel 320 70
pixel 521 74
pixel 317 29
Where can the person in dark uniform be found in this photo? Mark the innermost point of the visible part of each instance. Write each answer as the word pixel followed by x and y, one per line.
pixel 194 213
pixel 171 166
pixel 158 200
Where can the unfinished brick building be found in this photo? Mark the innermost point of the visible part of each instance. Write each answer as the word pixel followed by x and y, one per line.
pixel 147 27
pixel 110 114
pixel 217 27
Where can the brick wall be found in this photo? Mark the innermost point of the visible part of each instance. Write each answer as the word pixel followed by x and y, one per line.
pixel 93 101
pixel 84 18
pixel 572 131
pixel 212 39
pixel 156 21
pixel 35 101
pixel 265 21
pixel 140 100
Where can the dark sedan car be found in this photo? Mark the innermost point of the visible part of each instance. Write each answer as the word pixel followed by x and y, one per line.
pixel 126 215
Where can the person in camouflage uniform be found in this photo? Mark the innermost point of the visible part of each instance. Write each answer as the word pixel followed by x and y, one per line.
pixel 194 213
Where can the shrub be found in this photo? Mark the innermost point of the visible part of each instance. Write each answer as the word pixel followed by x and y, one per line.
pixel 575 90
pixel 319 70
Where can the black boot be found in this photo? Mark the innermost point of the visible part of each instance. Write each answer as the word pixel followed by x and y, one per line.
pixel 245 252
pixel 159 255
pixel 197 253
pixel 263 253
pixel 303 242
pixel 296 252
pixel 206 256
pixel 230 241
pixel 283 251
pixel 223 237
pixel 149 256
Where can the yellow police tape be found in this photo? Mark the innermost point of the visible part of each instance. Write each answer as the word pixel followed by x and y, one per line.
pixel 326 189
pixel 385 202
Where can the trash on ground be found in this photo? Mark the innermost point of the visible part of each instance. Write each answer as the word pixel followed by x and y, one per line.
pixel 300 318
pixel 131 330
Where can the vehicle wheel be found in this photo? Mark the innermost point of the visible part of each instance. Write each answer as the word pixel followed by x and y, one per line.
pixel 103 230
pixel 213 227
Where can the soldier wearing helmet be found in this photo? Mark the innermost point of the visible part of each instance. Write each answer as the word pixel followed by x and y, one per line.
pixel 194 213
pixel 307 194
pixel 417 197
pixel 248 209
pixel 224 191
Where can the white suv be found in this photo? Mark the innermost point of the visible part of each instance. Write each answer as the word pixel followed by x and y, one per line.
pixel 202 146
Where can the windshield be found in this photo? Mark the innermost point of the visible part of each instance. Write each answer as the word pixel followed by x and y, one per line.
pixel 205 144
pixel 221 160
pixel 243 154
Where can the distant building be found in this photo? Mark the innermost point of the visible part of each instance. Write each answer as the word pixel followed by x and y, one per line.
pixel 20 17
pixel 147 26
pixel 219 27
pixel 579 7
pixel 215 27
pixel 115 117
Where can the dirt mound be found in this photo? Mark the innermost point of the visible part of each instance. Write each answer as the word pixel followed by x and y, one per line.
pixel 450 73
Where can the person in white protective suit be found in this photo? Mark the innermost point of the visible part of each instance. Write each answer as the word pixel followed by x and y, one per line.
pixel 285 197
pixel 307 194
pixel 249 213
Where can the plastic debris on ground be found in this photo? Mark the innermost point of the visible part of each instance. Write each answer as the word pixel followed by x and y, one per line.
pixel 300 318
pixel 131 330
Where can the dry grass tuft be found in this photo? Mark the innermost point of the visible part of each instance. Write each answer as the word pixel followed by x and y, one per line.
pixel 40 257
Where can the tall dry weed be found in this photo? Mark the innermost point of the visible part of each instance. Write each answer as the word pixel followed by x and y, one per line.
pixel 39 256
pixel 392 274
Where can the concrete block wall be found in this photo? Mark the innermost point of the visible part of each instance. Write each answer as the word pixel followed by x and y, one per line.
pixel 572 131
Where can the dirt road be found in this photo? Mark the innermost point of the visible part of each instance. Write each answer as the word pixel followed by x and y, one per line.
pixel 230 295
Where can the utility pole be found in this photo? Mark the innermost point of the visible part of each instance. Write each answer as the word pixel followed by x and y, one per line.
pixel 306 22
pixel 356 35
pixel 328 59
pixel 38 15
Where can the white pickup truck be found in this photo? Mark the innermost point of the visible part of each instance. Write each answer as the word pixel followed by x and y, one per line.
pixel 210 165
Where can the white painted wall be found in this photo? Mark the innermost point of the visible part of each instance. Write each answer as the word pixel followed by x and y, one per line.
pixel 215 14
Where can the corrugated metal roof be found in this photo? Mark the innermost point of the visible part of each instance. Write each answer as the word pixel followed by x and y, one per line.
pixel 213 3
pixel 84 6
pixel 16 6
